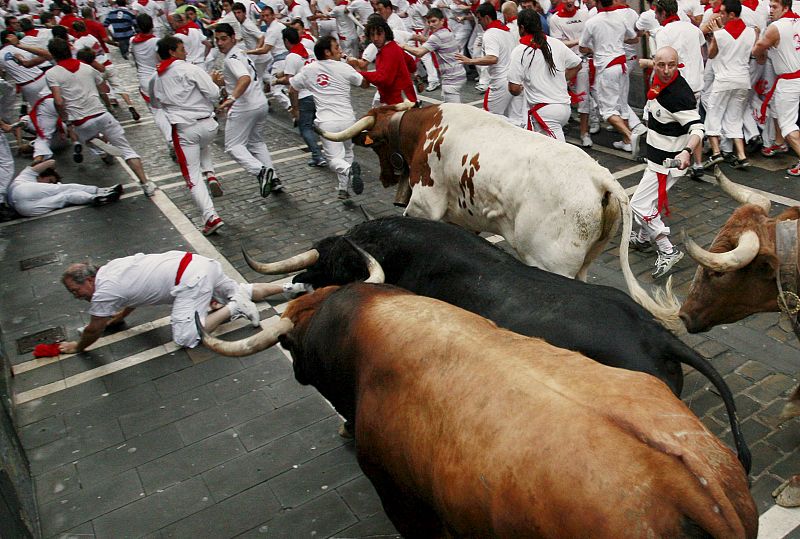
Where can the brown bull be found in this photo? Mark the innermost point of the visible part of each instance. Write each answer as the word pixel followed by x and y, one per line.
pixel 739 274
pixel 463 435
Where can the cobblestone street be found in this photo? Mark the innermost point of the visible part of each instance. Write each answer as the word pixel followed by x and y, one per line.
pixel 138 437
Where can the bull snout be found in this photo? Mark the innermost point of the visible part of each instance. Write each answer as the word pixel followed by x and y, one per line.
pixel 693 325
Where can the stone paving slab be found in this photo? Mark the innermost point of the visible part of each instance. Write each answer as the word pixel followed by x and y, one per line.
pixel 191 444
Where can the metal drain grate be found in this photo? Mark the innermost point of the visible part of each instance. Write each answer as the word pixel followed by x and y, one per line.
pixel 37 261
pixel 28 343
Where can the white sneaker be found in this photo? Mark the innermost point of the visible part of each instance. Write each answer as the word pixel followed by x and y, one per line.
pixel 636 138
pixel 586 141
pixel 149 189
pixel 610 128
pixel 622 146
pixel 665 262
pixel 594 128
pixel 292 290
pixel 242 306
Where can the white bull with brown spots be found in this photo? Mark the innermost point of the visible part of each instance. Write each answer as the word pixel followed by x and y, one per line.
pixel 554 204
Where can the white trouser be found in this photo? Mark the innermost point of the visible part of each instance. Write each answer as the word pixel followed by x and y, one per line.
pixel 111 130
pixel 644 202
pixel 338 154
pixel 202 281
pixel 581 88
pixel 46 127
pixel 6 166
pixel 477 45
pixel 451 93
pixel 32 90
pixel 159 116
pixel 327 28
pixel 32 198
pixel 725 113
pixel 276 90
pixel 518 110
pixel 497 98
pixel 608 88
pixel 349 45
pixel 193 148
pixel 244 139
pixel 555 116
pixel 785 102
pixel 627 111
pixel 262 69
pixel 462 32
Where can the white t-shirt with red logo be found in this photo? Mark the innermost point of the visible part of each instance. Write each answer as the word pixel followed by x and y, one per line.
pixel 329 82
pixel 294 63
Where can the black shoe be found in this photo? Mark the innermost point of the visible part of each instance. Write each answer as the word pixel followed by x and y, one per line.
pixel 343 194
pixel 740 163
pixel 134 114
pixel 754 144
pixel 265 181
pixel 77 152
pixel 355 178
pixel 7 213
pixel 106 196
pixel 172 154
pixel 277 186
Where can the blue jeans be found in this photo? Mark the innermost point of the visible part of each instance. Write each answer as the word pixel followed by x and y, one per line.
pixel 306 125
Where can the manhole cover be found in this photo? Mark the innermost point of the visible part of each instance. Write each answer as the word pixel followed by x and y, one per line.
pixel 28 343
pixel 37 261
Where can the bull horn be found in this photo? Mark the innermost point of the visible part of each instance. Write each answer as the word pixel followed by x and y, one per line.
pixel 740 193
pixel 364 123
pixel 405 105
pixel 742 255
pixel 255 343
pixel 376 274
pixel 294 263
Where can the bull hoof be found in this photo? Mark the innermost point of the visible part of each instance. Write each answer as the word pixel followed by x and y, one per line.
pixel 346 430
pixel 788 494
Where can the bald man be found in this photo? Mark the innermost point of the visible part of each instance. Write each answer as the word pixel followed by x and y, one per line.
pixel 674 131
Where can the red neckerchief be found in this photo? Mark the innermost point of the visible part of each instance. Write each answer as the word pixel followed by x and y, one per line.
pixel 300 50
pixel 186 27
pixel 143 2
pixel 735 27
pixel 72 65
pixel 714 7
pixel 658 85
pixel 292 6
pixel 510 19
pixel 497 24
pixel 752 4
pixel 601 9
pixel 32 32
pixel 306 35
pixel 528 40
pixel 163 65
pixel 141 38
pixel 671 18
pixel 566 10
pixel 790 15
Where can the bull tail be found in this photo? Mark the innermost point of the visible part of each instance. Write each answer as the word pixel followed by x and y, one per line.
pixel 689 357
pixel 665 305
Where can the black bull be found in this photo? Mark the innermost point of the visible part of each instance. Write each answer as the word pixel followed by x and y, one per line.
pixel 445 262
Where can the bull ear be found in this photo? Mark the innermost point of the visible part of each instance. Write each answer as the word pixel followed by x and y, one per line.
pixel 766 266
pixel 363 139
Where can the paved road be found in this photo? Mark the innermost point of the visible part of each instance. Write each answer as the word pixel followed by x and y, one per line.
pixel 139 438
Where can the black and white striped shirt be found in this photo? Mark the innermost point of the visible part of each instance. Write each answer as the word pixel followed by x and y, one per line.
pixel 672 118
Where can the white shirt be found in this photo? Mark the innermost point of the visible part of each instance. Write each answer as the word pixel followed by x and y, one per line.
pixel 568 28
pixel 238 65
pixel 498 43
pixel 133 281
pixel 362 9
pixel 146 57
pixel 274 37
pixel 250 36
pixel 185 92
pixel 785 58
pixel 300 11
pixel 688 40
pixel 79 90
pixel 18 72
pixel 529 69
pixel 329 82
pixel 755 19
pixel 687 8
pixel 193 42
pixel 604 34
pixel 344 23
pixel 90 42
pixel 631 18
pixel 294 63
pixel 732 65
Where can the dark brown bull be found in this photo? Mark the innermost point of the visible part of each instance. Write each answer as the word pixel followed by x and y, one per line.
pixel 463 435
pixel 738 276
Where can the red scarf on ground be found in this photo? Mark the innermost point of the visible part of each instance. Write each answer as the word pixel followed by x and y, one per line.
pixel 671 18
pixel 141 38
pixel 164 65
pixel 72 65
pixel 735 27
pixel 299 49
pixel 658 85
pixel 567 10
pixel 497 24
pixel 46 350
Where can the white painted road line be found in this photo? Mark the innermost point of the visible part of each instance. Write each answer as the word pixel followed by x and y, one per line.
pixel 777 522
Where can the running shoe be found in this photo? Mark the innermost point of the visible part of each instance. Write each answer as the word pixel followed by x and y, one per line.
pixel 665 262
